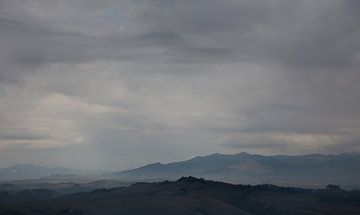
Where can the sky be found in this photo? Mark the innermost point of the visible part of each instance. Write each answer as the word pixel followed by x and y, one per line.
pixel 118 84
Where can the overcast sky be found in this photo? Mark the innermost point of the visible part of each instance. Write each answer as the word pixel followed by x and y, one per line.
pixel 117 84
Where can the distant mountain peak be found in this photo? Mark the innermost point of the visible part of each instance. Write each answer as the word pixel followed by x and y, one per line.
pixel 155 164
pixel 299 170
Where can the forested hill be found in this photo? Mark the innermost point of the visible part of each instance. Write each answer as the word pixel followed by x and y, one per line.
pixel 188 195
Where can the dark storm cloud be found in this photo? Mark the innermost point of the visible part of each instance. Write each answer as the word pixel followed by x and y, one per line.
pixel 299 33
pixel 267 75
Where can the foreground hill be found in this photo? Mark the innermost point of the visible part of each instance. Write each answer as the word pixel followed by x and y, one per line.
pixel 187 195
pixel 313 170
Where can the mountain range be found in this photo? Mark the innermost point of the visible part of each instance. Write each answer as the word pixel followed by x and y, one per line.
pixel 30 171
pixel 311 171
pixel 314 170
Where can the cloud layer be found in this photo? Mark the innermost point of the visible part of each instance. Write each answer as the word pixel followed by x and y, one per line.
pixel 121 83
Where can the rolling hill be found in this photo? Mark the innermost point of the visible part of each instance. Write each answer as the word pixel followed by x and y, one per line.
pixel 314 170
pixel 188 195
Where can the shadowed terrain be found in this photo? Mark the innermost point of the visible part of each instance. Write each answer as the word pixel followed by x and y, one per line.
pixel 188 195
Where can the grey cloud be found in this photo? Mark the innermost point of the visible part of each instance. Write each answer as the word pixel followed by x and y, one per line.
pixel 265 75
pixel 194 32
pixel 30 137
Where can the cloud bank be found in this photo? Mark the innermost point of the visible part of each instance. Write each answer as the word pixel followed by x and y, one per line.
pixel 116 84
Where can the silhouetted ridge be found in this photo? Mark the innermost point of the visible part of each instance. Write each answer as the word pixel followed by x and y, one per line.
pixel 191 179
pixel 187 195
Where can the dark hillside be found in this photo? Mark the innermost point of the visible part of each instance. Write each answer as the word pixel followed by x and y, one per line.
pixel 188 195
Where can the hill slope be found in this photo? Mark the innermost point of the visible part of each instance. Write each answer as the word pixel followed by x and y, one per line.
pixel 187 195
pixel 306 170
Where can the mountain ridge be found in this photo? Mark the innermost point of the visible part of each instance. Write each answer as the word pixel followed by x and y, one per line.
pixel 26 171
pixel 309 170
pixel 304 170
